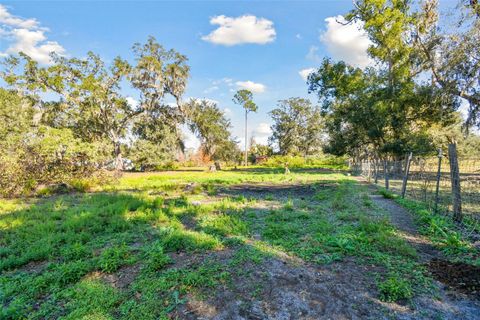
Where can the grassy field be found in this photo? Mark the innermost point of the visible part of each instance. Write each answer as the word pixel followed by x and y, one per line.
pixel 143 247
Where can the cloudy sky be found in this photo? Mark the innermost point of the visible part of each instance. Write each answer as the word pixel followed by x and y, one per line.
pixel 266 47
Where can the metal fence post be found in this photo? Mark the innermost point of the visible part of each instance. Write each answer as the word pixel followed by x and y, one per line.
pixel 405 175
pixel 455 180
pixel 439 175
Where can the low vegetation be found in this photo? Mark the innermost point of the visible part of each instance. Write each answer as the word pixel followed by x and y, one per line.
pixel 141 247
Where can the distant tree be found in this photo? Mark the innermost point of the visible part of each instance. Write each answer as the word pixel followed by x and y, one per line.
pixel 468 143
pixel 384 110
pixel 244 98
pixel 259 150
pixel 211 126
pixel 16 117
pixel 361 119
pixel 91 102
pixel 297 127
pixel 33 153
pixel 451 53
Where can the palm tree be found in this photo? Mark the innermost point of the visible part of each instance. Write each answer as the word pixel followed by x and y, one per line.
pixel 244 98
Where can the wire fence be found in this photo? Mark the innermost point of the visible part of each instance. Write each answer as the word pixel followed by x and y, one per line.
pixel 428 180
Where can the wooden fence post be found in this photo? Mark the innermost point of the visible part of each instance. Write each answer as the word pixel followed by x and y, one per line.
pixel 439 175
pixel 385 172
pixel 376 169
pixel 455 180
pixel 405 174
pixel 369 166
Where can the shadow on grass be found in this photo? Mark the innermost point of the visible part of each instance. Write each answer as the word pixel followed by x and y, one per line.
pixel 64 257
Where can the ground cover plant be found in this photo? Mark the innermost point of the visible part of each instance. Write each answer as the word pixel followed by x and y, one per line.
pixel 165 245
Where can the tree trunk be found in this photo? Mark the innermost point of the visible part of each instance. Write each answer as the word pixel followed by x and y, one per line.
pixel 246 155
pixel 455 180
pixel 439 176
pixel 118 157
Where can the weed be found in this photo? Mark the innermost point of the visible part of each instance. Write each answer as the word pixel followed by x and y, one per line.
pixel 113 258
pixel 387 194
pixel 394 289
pixel 156 258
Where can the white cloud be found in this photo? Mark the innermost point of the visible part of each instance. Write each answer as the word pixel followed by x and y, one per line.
pixel 190 140
pixel 211 89
pixel 304 73
pixel 312 54
pixel 6 18
pixel 240 30
pixel 26 35
pixel 261 133
pixel 347 42
pixel 252 86
pixel 132 102
pixel 227 111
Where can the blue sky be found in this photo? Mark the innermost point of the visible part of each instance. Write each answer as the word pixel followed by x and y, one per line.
pixel 260 45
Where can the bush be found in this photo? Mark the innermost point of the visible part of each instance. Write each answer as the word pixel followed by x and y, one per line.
pixel 45 159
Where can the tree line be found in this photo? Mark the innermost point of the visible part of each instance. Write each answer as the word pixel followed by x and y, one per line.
pixel 67 120
pixel 408 99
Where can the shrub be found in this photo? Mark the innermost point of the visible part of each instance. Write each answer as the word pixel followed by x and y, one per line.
pixel 45 158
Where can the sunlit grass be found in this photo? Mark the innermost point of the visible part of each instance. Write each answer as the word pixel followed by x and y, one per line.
pixel 58 253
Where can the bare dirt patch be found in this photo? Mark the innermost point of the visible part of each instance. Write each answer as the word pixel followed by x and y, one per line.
pixel 188 259
pixel 34 266
pixel 278 289
pixel 281 289
pixel 120 279
pixel 461 276
pixel 299 191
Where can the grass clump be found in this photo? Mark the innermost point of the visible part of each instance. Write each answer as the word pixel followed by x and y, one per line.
pixel 186 240
pixel 113 258
pixel 387 194
pixel 394 289
pixel 156 258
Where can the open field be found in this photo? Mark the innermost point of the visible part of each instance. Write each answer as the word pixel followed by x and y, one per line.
pixel 237 244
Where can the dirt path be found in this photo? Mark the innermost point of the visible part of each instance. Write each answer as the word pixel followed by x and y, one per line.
pixel 284 287
pixel 403 221
pixel 451 303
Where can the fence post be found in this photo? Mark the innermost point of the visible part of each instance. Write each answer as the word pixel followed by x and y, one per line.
pixel 369 166
pixel 455 180
pixel 405 175
pixel 439 175
pixel 385 171
pixel 376 169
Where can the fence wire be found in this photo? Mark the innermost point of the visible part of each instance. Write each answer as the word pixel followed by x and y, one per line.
pixel 422 181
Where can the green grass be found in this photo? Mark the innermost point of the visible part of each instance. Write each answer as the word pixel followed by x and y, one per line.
pixel 444 233
pixel 57 254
